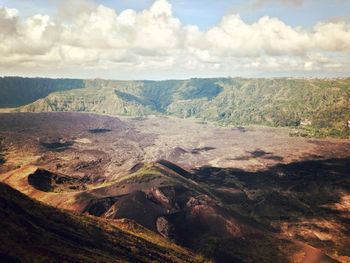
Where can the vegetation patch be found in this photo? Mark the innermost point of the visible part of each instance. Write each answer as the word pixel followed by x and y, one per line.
pixel 177 169
pixel 16 91
pixel 130 98
pixel 201 88
pixel 314 132
pixel 144 174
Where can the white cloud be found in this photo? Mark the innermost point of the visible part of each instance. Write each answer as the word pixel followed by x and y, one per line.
pixel 332 36
pixel 8 21
pixel 295 3
pixel 91 36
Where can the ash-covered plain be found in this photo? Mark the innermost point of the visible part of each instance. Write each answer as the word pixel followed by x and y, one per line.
pixel 232 194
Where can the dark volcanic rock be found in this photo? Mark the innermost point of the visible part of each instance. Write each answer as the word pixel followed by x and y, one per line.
pixel 34 232
pixel 99 130
pixel 56 144
pixel 47 181
pixel 164 227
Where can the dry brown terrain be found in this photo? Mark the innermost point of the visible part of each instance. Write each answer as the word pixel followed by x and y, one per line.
pixel 235 194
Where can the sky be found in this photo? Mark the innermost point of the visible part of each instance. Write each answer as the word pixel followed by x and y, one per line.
pixel 174 39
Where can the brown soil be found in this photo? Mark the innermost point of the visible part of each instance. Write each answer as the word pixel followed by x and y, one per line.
pixel 235 194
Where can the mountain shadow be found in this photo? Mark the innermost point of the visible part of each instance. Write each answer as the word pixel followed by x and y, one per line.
pixel 304 195
pixel 2 152
pixel 17 91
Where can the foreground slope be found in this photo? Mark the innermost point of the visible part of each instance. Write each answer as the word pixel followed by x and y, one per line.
pixel 31 231
pixel 318 106
pixel 162 197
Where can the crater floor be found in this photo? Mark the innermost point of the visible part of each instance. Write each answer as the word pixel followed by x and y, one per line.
pixel 258 186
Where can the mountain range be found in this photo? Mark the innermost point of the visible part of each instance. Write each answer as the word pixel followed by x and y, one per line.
pixel 314 107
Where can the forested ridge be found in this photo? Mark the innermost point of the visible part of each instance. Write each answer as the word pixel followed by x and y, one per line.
pixel 319 107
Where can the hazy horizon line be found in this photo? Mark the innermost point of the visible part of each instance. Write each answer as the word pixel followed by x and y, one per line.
pixel 179 79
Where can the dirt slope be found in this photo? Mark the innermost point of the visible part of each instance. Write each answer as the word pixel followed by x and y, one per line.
pixel 31 231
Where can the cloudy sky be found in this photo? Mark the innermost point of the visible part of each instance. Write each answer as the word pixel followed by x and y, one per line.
pixel 162 39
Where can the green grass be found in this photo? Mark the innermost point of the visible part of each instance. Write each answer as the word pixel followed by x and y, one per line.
pixel 146 173
pixel 277 102
pixel 312 132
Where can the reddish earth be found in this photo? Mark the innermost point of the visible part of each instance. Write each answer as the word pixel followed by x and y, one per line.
pixel 251 194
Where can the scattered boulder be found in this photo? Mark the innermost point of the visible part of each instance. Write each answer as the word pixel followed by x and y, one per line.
pixel 87 164
pixel 164 228
pixel 202 149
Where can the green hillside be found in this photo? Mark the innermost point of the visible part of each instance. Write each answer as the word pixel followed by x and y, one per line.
pixel 317 107
pixel 15 91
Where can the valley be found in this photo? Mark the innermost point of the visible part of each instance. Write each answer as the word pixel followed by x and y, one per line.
pixel 168 131
pixel 312 107
pixel 229 194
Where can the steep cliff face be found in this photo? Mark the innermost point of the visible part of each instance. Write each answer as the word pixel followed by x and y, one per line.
pixel 99 100
pixel 16 91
